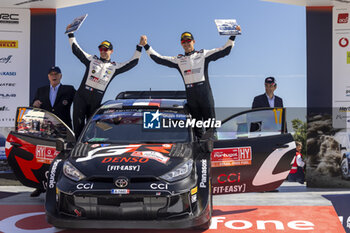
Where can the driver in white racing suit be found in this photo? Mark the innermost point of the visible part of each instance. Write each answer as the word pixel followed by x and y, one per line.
pixel 99 72
pixel 193 67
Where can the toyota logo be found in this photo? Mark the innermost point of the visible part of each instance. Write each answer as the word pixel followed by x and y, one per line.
pixel 121 183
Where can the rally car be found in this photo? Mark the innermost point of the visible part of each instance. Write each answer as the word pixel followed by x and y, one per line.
pixel 138 164
pixel 2 147
pixel 343 138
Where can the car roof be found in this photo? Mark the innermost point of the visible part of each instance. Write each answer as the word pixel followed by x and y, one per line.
pixel 146 103
pixel 152 95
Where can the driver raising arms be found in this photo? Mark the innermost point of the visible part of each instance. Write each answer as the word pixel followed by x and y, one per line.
pixel 99 72
pixel 193 67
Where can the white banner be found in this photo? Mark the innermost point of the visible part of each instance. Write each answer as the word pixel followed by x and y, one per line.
pixel 341 67
pixel 14 62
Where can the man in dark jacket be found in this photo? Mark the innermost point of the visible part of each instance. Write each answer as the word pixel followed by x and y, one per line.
pixel 55 98
pixel 268 99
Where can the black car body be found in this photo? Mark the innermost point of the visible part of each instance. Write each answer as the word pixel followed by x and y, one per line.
pixel 343 138
pixel 126 172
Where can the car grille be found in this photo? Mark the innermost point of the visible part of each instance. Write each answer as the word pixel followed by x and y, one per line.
pixel 101 179
pixel 124 206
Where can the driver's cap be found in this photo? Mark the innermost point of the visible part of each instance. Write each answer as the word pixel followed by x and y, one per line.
pixel 106 44
pixel 186 36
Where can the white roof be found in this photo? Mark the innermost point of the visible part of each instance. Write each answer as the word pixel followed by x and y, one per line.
pixel 54 4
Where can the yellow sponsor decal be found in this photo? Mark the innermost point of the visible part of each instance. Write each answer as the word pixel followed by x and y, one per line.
pixel 194 190
pixel 21 112
pixel 348 57
pixel 280 110
pixel 9 44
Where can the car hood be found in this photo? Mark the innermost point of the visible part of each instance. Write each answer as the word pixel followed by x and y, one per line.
pixel 133 160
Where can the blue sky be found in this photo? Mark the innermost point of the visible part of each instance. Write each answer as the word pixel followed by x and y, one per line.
pixel 273 43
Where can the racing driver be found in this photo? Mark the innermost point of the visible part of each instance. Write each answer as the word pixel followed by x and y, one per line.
pixel 98 74
pixel 193 67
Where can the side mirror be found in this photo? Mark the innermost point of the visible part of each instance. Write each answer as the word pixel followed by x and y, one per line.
pixel 207 141
pixel 255 126
pixel 207 146
pixel 60 145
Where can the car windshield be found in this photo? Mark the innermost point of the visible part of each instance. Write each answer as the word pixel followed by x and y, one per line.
pixel 136 126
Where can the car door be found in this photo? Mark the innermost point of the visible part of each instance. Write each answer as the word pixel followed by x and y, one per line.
pixel 31 147
pixel 253 152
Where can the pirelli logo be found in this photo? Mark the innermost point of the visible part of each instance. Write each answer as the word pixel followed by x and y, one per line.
pixel 9 44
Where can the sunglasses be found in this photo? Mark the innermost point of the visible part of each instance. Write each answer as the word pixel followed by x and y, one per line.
pixel 103 49
pixel 186 41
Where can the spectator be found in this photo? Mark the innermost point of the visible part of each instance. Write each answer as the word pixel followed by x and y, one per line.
pixel 55 98
pixel 268 99
pixel 297 174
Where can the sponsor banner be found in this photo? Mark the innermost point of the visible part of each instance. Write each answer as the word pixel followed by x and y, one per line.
pixel 9 18
pixel 243 219
pixel 45 154
pixel 254 219
pixel 231 157
pixel 14 62
pixel 341 66
pixel 11 44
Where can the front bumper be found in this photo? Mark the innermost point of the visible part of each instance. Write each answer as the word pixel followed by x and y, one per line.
pixel 117 207
pixel 151 213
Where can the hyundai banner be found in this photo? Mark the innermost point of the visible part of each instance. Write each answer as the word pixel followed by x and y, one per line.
pixel 14 62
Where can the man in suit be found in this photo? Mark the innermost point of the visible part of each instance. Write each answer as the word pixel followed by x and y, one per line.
pixel 268 99
pixel 55 98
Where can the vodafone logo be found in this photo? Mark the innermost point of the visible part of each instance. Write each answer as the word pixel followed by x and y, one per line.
pixel 343 18
pixel 260 224
pixel 343 42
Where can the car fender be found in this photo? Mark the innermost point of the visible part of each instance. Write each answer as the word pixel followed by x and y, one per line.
pixel 51 196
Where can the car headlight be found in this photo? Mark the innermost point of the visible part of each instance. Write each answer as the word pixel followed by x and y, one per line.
pixel 179 172
pixel 71 172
